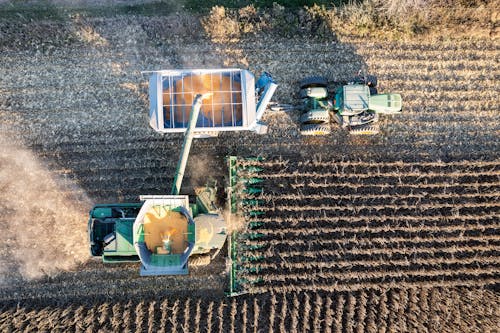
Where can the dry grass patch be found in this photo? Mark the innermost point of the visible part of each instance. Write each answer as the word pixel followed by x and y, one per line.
pixel 374 18
pixel 220 26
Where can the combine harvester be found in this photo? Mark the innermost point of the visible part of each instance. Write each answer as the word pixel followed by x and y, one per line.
pixel 166 233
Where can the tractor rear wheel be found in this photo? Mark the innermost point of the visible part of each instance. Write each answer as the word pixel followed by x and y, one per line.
pixel 313 81
pixel 315 129
pixel 315 117
pixel 364 130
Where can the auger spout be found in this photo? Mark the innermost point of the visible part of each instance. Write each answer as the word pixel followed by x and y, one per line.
pixel 188 139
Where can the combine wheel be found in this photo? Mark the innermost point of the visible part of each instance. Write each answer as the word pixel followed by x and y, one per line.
pixel 313 81
pixel 199 260
pixel 364 130
pixel 315 129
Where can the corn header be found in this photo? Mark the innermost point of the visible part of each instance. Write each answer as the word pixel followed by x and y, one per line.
pixel 244 191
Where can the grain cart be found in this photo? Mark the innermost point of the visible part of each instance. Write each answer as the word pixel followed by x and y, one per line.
pixel 167 232
pixel 356 105
pixel 237 100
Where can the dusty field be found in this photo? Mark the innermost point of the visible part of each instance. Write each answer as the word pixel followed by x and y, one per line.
pixel 397 232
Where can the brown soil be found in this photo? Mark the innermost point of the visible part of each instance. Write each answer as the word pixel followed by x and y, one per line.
pixel 392 232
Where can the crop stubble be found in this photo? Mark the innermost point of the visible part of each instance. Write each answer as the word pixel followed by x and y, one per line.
pixel 359 239
pixel 423 309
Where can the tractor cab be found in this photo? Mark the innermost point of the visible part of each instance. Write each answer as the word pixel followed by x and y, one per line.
pixel 352 99
pixel 358 105
pixel 352 106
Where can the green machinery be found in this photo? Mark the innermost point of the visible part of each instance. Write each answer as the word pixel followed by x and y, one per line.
pixel 356 106
pixel 164 232
pixel 245 187
pixel 168 232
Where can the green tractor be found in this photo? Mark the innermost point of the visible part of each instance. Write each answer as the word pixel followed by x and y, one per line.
pixel 356 106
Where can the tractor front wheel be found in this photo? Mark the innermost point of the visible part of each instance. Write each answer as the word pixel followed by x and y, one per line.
pixel 313 81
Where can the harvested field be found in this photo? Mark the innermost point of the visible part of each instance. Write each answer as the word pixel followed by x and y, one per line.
pixel 394 232
pixel 394 310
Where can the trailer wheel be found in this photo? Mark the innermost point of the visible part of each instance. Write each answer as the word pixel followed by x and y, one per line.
pixel 313 81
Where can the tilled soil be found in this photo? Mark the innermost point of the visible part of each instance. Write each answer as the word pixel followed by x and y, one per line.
pixel 72 96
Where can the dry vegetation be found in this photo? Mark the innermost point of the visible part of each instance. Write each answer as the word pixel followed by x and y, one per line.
pixel 375 18
pixel 394 310
pixel 397 232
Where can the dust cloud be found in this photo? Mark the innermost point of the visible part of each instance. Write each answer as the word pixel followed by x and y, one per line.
pixel 201 170
pixel 42 218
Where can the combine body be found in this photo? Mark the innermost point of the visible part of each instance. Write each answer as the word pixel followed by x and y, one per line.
pixel 162 232
pixel 237 101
